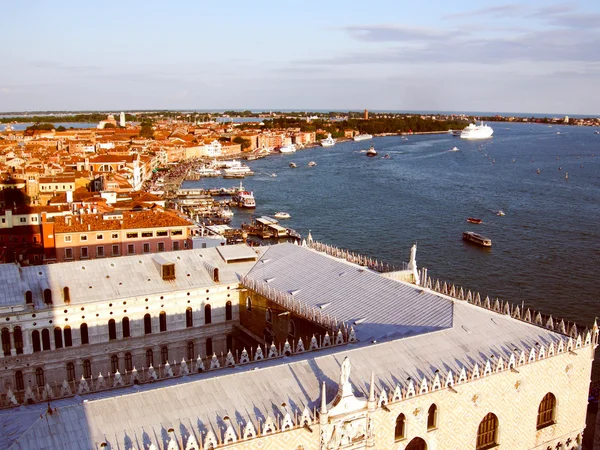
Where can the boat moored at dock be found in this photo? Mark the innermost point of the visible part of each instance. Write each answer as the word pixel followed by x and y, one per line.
pixel 477 238
pixel 244 199
pixel 362 137
pixel 328 141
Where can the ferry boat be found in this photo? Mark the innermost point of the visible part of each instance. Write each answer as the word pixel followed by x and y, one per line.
pixel 474 131
pixel 328 141
pixel 206 171
pixel 474 220
pixel 239 171
pixel 477 239
pixel 363 137
pixel 287 148
pixel 281 215
pixel 244 199
pixel 371 151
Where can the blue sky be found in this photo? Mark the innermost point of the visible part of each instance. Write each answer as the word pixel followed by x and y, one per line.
pixel 533 56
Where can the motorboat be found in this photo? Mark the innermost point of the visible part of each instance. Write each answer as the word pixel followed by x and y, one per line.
pixel 371 151
pixel 500 213
pixel 455 133
pixel 244 199
pixel 287 148
pixel 281 215
pixel 454 149
pixel 474 220
pixel 363 137
pixel 328 141
pixel 311 164
pixel 477 239
pixel 474 131
pixel 293 165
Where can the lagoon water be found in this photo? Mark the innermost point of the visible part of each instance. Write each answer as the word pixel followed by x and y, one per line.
pixel 546 249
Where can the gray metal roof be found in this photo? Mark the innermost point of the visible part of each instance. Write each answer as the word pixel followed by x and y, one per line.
pixel 232 253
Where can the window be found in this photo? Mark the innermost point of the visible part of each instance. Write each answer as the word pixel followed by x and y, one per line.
pixel 70 371
pixel 115 235
pixel 147 234
pixel 146 248
pixel 28 297
pixel 125 326
pixel 189 318
pixel 6 341
pixel 160 247
pixel 176 232
pixel 190 350
pixel 292 328
pixel 23 220
pixel 417 444
pixel 115 250
pixel 228 311
pixel 58 342
pixel 47 296
pixel 207 315
pixel 112 330
pixel 39 377
pixel 66 295
pixel 100 251
pixel 546 411
pixel 45 339
pixel 175 245
pixel 34 219
pixel 162 321
pixel 83 330
pixel 164 355
pixel 269 316
pixel 149 358
pixel 68 253
pixel 147 324
pixel 99 237
pixel 130 249
pixel 35 340
pixel 168 271
pixel 68 337
pixel 128 362
pixel 83 237
pixel 209 347
pixel 487 433
pixel 87 368
pixel 19 382
pixel 400 425
pixel 84 252
pixel 132 235
pixel 248 304
pixel 114 363
pixel 432 417
pixel 18 337
pixel 162 233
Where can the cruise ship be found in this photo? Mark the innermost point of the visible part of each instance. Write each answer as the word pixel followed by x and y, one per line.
pixel 474 131
pixel 363 137
pixel 328 141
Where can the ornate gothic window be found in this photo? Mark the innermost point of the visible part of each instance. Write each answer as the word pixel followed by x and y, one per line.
pixel 18 337
pixel 114 363
pixel 432 417
pixel 39 377
pixel 70 371
pixel 400 425
pixel 149 358
pixel 125 327
pixel 189 318
pixel 35 340
pixel 68 336
pixel 190 350
pixel 6 341
pixel 19 382
pixel 128 362
pixel 209 347
pixel 112 330
pixel 87 368
pixel 228 311
pixel 45 339
pixel 207 315
pixel 162 320
pixel 417 444
pixel 58 341
pixel 487 434
pixel 164 355
pixel 546 411
pixel 147 324
pixel 83 330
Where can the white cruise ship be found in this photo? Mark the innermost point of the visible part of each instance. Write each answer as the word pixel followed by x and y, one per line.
pixel 328 141
pixel 287 149
pixel 474 131
pixel 363 137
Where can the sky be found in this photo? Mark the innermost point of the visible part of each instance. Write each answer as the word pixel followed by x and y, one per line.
pixel 533 56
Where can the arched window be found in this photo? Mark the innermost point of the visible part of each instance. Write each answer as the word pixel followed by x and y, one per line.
pixel 432 417
pixel 164 355
pixel 189 318
pixel 28 297
pixel 147 324
pixel 209 347
pixel 18 337
pixel 162 320
pixel 207 315
pixel 417 444
pixel 248 304
pixel 19 382
pixel 6 341
pixel 487 433
pixel 47 296
pixel 112 330
pixel 70 371
pixel 87 368
pixel 128 362
pixel 149 358
pixel 66 295
pixel 68 337
pixel 546 411
pixel 114 363
pixel 400 425
pixel 39 377
pixel 269 315
pixel 83 330
pixel 125 327
pixel 58 342
pixel 190 350
pixel 45 339
pixel 229 342
pixel 35 340
pixel 292 328
pixel 228 311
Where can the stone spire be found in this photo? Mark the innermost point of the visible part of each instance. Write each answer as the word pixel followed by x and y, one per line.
pixel 323 410
pixel 412 264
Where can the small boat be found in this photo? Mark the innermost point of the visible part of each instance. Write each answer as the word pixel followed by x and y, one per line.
pixel 312 164
pixel 281 215
pixel 477 239
pixel 273 175
pixel 454 149
pixel 293 165
pixel 596 132
pixel 474 220
pixel 500 213
pixel 372 151
pixel 386 156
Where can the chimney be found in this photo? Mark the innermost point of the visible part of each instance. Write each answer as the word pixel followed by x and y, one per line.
pixel 69 197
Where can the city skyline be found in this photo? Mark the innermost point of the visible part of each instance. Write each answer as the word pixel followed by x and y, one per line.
pixel 502 57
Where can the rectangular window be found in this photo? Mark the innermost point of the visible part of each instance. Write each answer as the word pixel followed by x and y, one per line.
pixel 34 219
pixel 176 232
pixel 23 220
pixel 115 235
pixel 3 220
pixel 162 233
pixel 146 248
pixel 161 247
pixel 68 253
pixel 83 237
pixel 175 245
pixel 130 249
pixel 132 235
pixel 84 252
pixel 68 238
pixel 147 234
pixel 115 250
pixel 99 237
pixel 100 251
